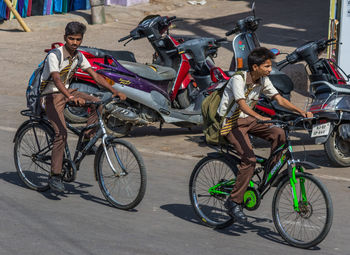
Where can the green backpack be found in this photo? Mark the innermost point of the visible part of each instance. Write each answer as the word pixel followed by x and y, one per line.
pixel 212 121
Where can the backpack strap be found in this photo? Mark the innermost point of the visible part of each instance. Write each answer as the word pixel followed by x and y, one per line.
pixel 239 73
pixel 80 58
pixel 58 54
pixel 233 101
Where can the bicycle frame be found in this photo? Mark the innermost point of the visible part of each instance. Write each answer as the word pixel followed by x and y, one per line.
pixel 79 154
pixel 268 180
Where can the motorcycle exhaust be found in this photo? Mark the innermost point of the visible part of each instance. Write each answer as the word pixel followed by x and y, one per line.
pixel 124 114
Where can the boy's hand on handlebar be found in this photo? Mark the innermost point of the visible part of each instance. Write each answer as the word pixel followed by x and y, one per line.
pixel 121 95
pixel 307 114
pixel 77 101
pixel 262 118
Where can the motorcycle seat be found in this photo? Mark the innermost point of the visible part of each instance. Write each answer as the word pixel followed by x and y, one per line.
pixel 150 71
pixel 117 54
pixel 282 83
pixel 323 86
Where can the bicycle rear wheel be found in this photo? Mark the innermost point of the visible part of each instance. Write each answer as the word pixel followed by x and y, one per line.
pixel 210 208
pixel 125 188
pixel 32 156
pixel 309 226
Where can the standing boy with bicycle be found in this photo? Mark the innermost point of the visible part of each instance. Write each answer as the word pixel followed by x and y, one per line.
pixel 242 120
pixel 55 81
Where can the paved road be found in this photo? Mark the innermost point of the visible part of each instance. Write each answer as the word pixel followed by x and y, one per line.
pixel 81 222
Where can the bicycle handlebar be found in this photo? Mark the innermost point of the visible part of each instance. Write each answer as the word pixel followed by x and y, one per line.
pixel 286 123
pixel 106 97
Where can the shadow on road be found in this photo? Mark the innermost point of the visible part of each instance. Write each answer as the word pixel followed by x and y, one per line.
pixel 185 212
pixel 12 30
pixel 75 188
pixel 284 23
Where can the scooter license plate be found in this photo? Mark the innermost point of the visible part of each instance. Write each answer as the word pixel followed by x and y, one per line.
pixel 320 129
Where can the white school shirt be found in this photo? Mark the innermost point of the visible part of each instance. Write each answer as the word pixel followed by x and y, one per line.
pixel 236 89
pixel 52 65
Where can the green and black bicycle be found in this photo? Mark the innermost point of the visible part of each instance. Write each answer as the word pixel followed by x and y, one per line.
pixel 302 208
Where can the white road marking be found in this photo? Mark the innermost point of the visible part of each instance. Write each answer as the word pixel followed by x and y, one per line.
pixel 8 129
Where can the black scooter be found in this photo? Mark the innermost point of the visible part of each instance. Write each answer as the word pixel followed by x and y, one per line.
pixel 244 42
pixel 330 92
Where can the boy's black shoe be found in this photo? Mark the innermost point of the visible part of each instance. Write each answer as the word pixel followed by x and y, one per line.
pixel 92 150
pixel 56 184
pixel 235 211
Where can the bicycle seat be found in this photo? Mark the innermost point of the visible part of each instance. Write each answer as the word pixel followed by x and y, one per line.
pixel 150 72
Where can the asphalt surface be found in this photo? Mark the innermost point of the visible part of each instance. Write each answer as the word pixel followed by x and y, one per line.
pixel 81 221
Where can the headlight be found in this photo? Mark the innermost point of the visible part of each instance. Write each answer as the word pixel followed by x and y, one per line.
pixel 332 103
pixel 111 82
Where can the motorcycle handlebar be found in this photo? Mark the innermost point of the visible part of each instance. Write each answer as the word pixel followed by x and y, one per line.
pixel 284 61
pixel 231 32
pixel 170 52
pixel 124 38
pixel 171 18
pixel 221 40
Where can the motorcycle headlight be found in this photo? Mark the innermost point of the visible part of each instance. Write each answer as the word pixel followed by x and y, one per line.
pixel 110 81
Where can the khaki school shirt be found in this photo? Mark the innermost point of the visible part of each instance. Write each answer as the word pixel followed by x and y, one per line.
pixel 236 89
pixel 52 65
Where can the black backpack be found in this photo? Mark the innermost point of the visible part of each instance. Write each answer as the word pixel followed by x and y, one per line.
pixel 33 92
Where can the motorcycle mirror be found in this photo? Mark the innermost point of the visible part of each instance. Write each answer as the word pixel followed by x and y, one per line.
pixel 275 51
pixel 253 8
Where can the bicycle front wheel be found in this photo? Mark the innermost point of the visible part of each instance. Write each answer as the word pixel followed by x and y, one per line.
pixel 32 156
pixel 310 225
pixel 210 207
pixel 125 186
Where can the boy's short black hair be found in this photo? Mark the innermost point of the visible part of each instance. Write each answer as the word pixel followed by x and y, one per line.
pixel 258 56
pixel 74 28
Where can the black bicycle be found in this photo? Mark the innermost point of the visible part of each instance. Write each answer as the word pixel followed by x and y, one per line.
pixel 302 208
pixel 119 167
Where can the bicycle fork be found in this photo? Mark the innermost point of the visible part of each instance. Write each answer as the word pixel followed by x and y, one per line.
pixel 104 142
pixel 293 182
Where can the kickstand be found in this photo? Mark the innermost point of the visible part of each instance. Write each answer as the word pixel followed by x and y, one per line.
pixel 160 126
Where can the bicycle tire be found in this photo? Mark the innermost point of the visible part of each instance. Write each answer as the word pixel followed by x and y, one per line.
pixel 217 169
pixel 28 140
pixel 133 163
pixel 305 213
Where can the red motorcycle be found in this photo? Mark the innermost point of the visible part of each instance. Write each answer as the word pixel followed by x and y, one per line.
pixel 83 81
pixel 195 69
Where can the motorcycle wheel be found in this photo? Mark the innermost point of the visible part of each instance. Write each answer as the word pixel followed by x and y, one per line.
pixel 75 114
pixel 338 150
pixel 116 127
pixel 79 114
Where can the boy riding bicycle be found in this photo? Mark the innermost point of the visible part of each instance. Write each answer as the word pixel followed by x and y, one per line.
pixel 56 93
pixel 241 119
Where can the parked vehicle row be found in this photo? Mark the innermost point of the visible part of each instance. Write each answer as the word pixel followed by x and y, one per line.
pixel 183 73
